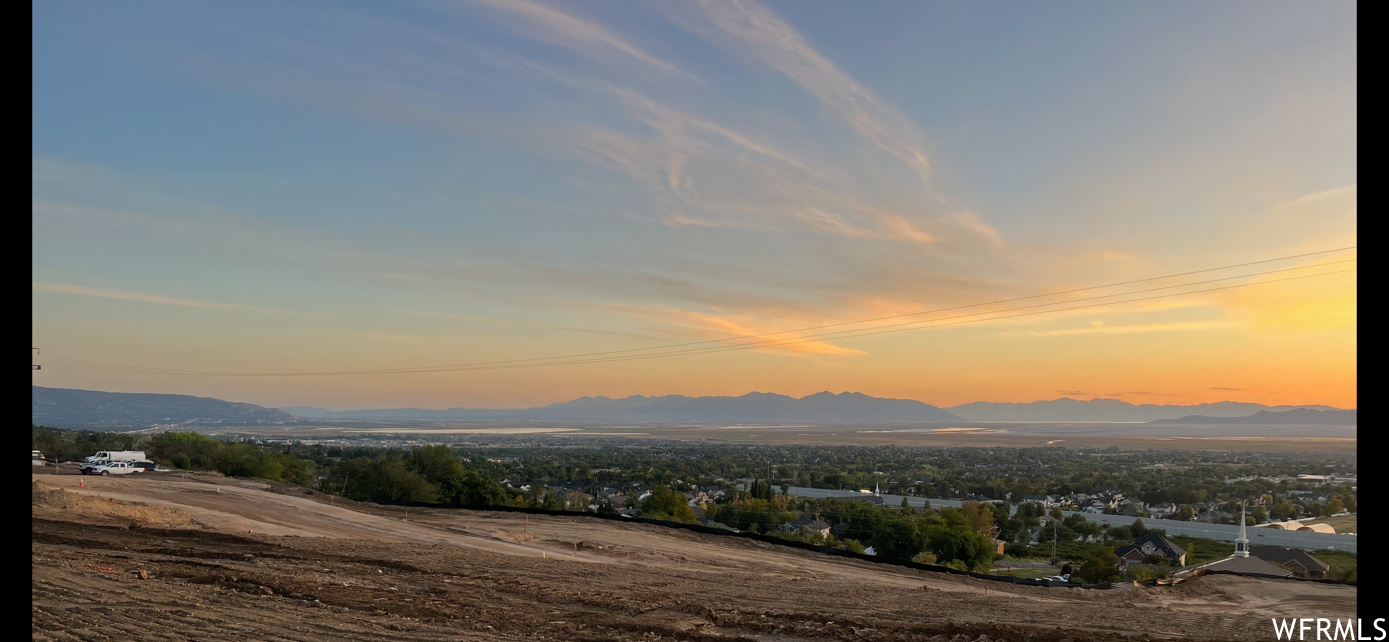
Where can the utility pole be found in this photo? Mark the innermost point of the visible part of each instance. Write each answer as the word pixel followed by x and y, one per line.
pixel 36 366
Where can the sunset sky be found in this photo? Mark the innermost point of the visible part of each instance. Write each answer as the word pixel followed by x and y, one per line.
pixel 267 188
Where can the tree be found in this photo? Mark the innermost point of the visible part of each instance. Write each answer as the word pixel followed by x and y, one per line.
pixel 1102 566
pixel 478 490
pixel 1335 506
pixel 392 479
pixel 1138 529
pixel 1260 515
pixel 664 503
pixel 980 519
pixel 1185 513
pixel 439 467
pixel 975 550
pixel 1284 511
pixel 898 538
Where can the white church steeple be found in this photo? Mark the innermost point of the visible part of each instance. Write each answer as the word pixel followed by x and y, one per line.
pixel 1241 544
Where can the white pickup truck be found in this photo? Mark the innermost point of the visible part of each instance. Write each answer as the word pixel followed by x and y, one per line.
pixel 134 459
pixel 113 468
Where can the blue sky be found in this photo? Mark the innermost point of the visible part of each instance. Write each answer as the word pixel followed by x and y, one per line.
pixel 222 186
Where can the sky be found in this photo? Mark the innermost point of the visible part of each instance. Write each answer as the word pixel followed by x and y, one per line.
pixel 249 201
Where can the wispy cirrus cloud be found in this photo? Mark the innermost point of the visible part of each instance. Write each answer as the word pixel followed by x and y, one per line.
pixel 581 35
pixel 142 297
pixel 1099 327
pixel 717 328
pixel 779 45
pixel 1317 197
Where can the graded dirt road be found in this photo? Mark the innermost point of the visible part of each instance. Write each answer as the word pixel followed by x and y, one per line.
pixel 225 558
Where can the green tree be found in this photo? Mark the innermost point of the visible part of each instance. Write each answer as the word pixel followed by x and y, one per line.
pixel 395 481
pixel 1284 511
pixel 1138 529
pixel 478 490
pixel 898 538
pixel 950 544
pixel 664 503
pixel 1335 506
pixel 979 518
pixel 1185 513
pixel 1260 514
pixel 1102 566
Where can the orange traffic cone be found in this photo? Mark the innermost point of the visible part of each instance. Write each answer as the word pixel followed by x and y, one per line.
pixel 82 483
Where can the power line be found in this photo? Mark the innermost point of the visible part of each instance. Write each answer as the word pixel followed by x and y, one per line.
pixel 612 356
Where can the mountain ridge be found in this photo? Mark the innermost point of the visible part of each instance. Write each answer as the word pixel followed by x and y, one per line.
pixel 65 406
pixel 62 407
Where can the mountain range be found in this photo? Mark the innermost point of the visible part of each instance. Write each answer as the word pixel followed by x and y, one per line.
pixel 755 407
pixel 73 408
pixel 66 407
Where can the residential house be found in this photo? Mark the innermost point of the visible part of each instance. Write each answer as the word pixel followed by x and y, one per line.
pixel 1300 562
pixel 1151 544
pixel 1162 511
pixel 1131 508
pixel 806 524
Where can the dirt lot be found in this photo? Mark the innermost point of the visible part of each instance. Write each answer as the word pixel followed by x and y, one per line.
pixel 161 556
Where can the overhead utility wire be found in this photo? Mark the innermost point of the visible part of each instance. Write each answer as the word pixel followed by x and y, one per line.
pixel 726 340
pixel 742 346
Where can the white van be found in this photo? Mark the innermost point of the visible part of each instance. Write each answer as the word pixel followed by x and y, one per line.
pixel 117 455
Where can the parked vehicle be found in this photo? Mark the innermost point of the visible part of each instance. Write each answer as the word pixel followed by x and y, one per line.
pixel 38 458
pixel 114 468
pixel 117 455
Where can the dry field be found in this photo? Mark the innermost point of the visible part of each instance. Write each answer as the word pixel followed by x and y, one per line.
pixel 167 557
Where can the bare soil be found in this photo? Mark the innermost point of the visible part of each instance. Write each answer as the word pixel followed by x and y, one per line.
pixel 167 557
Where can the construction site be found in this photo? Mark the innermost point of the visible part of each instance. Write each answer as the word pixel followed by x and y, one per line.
pixel 199 556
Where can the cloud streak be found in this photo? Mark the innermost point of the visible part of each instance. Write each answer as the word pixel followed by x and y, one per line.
pixel 779 45
pixel 141 297
pixel 583 36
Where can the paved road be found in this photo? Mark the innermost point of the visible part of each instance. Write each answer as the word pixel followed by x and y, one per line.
pixel 1219 532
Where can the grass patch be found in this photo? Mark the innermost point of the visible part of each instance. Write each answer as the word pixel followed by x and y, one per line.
pixel 1200 550
pixel 1343 564
pixel 1341 524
